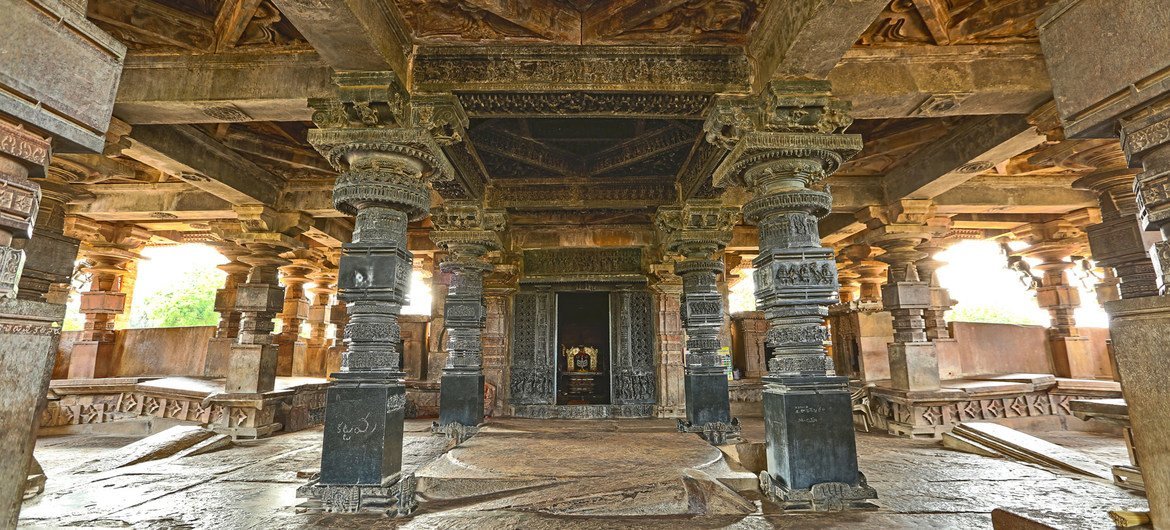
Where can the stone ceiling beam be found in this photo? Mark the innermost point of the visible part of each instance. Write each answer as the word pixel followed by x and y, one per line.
pixel 150 202
pixel 1015 195
pixel 553 68
pixel 806 38
pixel 228 87
pixel 640 148
pixel 531 152
pixel 977 144
pixel 353 34
pixel 934 81
pixel 188 153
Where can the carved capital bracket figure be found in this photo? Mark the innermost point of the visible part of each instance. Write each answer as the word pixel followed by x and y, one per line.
pixel 784 143
pixel 899 229
pixel 108 250
pixel 698 231
pixel 386 161
pixel 468 233
pixel 1061 245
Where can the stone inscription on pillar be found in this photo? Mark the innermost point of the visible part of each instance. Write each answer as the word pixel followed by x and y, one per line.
pixel 386 164
pixel 468 233
pixel 698 231
pixel 785 142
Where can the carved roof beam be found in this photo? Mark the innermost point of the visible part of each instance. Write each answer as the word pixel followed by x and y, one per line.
pixel 902 81
pixel 529 151
pixel 805 39
pixel 207 88
pixel 155 22
pixel 194 157
pixel 232 19
pixel 640 148
pixel 151 202
pixel 353 34
pixel 976 145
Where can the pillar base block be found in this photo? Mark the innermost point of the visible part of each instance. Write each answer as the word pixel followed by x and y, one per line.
pixel 808 422
pixel 1072 357
pixel 823 497
pixel 363 429
pixel 251 369
pixel 1138 327
pixel 914 366
pixel 219 352
pixel 707 400
pixel 91 359
pixel 461 398
pixel 394 497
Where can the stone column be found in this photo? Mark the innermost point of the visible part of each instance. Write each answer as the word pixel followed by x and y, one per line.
pixel 928 266
pixel 667 288
pixel 898 230
pixel 1055 244
pixel 467 232
pixel 109 249
pixel 219 347
pixel 699 231
pixel 324 285
pixel 1117 241
pixel 871 274
pixel 385 164
pixel 291 346
pixel 848 278
pixel 783 145
pixel 497 295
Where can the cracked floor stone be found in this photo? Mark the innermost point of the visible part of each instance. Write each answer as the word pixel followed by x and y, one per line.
pixel 558 475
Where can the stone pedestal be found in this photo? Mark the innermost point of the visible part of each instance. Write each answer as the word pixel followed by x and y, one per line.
pixel 461 398
pixel 363 434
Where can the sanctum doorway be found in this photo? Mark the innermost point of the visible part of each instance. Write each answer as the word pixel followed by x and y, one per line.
pixel 582 336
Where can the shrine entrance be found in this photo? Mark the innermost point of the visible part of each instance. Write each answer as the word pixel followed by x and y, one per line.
pixel 584 333
pixel 582 336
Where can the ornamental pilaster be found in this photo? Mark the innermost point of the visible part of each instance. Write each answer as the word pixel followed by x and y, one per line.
pixel 468 233
pixel 784 143
pixel 386 160
pixel 698 231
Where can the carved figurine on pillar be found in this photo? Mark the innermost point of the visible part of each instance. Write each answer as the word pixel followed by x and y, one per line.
pixel 899 229
pixel 468 233
pixel 784 142
pixel 386 161
pixel 108 248
pixel 699 231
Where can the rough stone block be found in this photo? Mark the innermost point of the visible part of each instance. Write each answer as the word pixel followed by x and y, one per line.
pixel 251 369
pixel 914 366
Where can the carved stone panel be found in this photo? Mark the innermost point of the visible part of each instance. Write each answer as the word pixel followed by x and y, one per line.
pixel 533 360
pixel 582 261
pixel 633 338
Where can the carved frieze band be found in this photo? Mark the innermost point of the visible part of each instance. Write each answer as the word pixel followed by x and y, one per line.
pixel 582 261
pixel 584 104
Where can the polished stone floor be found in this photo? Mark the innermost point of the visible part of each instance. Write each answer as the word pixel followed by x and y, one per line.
pixel 561 474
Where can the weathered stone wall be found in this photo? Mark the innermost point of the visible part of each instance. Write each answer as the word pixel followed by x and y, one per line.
pixel 149 351
pixel 1003 348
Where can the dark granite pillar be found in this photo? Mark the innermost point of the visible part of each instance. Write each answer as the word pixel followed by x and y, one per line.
pixel 467 232
pixel 698 231
pixel 384 165
pixel 784 143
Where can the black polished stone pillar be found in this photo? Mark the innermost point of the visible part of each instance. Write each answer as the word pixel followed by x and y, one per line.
pixel 785 142
pixel 697 231
pixel 385 167
pixel 467 232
